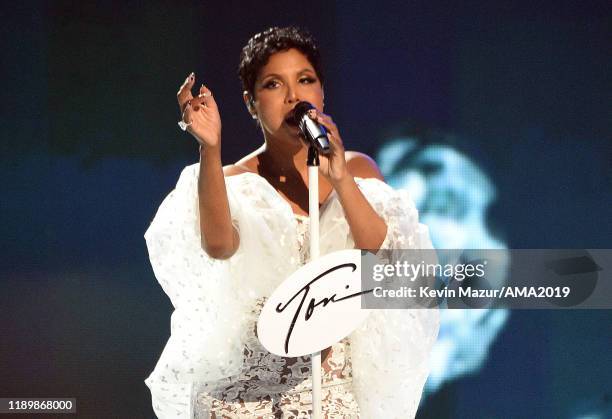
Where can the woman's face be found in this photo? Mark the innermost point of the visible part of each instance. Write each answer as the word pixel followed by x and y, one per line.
pixel 285 80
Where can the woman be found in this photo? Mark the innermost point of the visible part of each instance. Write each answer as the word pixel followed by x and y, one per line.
pixel 226 236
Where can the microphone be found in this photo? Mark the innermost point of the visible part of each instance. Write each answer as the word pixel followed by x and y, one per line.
pixel 314 133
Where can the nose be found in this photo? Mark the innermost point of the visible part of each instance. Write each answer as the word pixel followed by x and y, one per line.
pixel 291 96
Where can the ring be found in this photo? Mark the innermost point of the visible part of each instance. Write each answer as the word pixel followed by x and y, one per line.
pixel 183 125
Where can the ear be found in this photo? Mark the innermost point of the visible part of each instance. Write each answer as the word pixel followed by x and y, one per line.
pixel 250 103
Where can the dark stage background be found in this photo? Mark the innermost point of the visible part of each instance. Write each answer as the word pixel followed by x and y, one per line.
pixel 90 147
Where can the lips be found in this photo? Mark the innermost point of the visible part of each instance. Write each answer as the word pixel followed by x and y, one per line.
pixel 290 119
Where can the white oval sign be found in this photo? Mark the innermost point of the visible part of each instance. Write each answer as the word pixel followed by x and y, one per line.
pixel 317 306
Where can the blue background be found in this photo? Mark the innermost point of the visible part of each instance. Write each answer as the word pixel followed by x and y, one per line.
pixel 90 147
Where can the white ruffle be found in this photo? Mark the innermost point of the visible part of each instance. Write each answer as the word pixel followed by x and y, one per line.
pixel 214 299
pixel 390 351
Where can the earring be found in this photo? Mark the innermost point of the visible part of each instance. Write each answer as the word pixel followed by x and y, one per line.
pixel 251 107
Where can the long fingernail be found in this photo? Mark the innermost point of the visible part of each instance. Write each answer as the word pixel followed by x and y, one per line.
pixel 191 76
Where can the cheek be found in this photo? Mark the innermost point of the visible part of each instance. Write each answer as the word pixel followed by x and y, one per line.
pixel 315 97
pixel 270 113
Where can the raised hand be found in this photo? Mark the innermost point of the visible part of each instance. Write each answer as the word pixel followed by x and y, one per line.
pixel 200 114
pixel 332 166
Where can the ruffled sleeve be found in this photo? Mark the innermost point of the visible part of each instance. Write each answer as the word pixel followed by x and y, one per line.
pixel 173 241
pixel 390 351
pixel 213 299
pixel 192 281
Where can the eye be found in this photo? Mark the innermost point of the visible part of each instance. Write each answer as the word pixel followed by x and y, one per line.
pixel 271 84
pixel 307 80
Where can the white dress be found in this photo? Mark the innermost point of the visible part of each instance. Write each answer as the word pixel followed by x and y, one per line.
pixel 217 303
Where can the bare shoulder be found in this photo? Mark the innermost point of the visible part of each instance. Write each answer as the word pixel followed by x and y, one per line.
pixel 248 163
pixel 362 165
pixel 233 170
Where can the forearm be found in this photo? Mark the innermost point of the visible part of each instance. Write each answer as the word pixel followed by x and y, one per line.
pixel 219 237
pixel 367 227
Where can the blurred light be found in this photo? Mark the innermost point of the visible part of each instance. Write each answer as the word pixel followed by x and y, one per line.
pixel 452 195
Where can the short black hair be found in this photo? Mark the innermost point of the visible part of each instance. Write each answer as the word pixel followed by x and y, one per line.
pixel 261 46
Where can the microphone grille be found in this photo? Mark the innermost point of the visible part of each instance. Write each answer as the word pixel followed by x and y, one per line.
pixel 300 110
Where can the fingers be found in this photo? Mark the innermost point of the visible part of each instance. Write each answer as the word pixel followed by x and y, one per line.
pixel 187 117
pixel 204 98
pixel 204 89
pixel 329 124
pixel 322 119
pixel 184 93
pixel 195 105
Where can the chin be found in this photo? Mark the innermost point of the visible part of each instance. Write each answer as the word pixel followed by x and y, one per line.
pixel 292 129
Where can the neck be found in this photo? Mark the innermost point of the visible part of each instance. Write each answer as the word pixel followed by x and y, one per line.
pixel 283 157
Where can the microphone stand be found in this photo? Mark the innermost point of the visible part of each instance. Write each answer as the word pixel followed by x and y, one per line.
pixel 313 213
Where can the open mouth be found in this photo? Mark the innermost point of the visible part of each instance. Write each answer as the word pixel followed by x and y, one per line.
pixel 290 119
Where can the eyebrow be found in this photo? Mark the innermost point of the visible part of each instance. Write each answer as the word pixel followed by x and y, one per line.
pixel 305 70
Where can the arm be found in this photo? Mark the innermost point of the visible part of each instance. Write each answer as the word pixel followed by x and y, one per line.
pixel 219 238
pixel 367 227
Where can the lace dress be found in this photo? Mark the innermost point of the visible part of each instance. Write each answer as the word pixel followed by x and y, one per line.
pixel 213 364
pixel 271 386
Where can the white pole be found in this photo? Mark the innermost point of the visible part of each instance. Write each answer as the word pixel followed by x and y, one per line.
pixel 313 212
